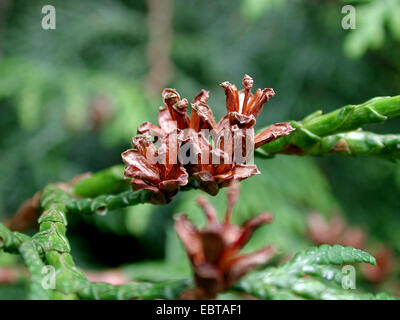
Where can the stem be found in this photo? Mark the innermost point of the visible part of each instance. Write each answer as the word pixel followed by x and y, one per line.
pixel 101 204
pixel 352 117
pixel 146 291
pixel 35 266
pixel 54 244
pixel 110 180
pixel 359 143
pixel 10 241
pixel 351 144
pixel 14 242
pixel 313 128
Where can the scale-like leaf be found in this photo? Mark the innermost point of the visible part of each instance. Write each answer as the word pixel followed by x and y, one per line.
pixel 309 275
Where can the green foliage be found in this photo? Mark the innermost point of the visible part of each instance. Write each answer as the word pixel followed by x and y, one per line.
pixel 45 86
pixel 336 255
pixel 309 275
pixel 255 9
pixel 16 291
pixel 370 32
pixel 376 20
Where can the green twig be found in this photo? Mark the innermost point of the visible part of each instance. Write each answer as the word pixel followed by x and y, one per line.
pixel 359 143
pixel 10 241
pixel 145 291
pixel 102 204
pixel 53 241
pixel 313 128
pixel 14 242
pixel 110 180
pixel 352 117
pixel 35 266
pixel 354 143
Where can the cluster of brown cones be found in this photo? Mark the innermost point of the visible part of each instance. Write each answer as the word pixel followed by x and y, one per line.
pixel 214 165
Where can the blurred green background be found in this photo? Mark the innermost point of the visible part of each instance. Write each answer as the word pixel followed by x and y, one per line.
pixel 72 98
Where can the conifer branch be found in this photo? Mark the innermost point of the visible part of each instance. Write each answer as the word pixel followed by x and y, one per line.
pixel 35 266
pixel 10 241
pixel 52 241
pixel 354 143
pixel 351 117
pixel 15 242
pixel 320 134
pixel 102 204
pixel 323 282
pixel 145 291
